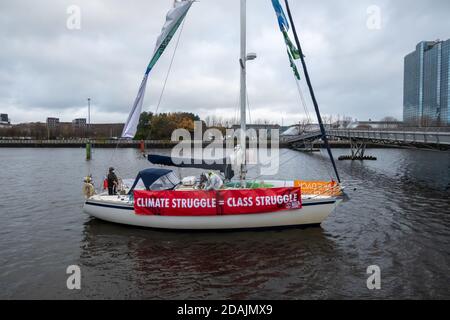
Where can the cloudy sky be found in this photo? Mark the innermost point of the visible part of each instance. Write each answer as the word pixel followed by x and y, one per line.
pixel 48 69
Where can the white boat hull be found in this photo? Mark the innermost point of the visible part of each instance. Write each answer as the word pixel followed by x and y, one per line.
pixel 312 213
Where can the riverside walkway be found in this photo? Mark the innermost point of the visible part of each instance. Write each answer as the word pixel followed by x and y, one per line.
pixel 418 138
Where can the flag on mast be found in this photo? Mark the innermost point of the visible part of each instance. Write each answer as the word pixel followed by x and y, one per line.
pixel 283 23
pixel 174 19
pixel 282 20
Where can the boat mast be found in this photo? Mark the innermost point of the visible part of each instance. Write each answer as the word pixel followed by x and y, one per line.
pixel 311 91
pixel 243 96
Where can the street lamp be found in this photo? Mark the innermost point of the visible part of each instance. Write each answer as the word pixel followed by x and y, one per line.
pixel 89 116
pixel 251 56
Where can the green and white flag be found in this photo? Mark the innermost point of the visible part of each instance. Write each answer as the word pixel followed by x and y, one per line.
pixel 293 66
pixel 292 50
pixel 174 19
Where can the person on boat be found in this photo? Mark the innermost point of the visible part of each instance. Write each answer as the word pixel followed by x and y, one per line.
pixel 211 181
pixel 113 182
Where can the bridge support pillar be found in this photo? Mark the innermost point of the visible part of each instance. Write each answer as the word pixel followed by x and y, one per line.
pixel 358 150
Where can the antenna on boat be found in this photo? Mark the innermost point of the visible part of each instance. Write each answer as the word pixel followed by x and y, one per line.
pixel 311 90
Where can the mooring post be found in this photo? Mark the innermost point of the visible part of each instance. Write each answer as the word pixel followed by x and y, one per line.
pixel 88 144
pixel 88 151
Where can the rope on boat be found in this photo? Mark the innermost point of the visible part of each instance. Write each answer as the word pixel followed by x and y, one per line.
pixel 303 101
pixel 170 66
pixel 167 75
pixel 112 159
pixel 248 107
pixel 283 163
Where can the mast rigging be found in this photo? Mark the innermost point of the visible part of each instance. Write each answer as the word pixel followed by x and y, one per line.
pixel 311 90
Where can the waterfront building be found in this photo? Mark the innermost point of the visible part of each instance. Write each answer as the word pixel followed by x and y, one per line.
pixel 426 93
pixel 52 122
pixel 4 119
pixel 79 123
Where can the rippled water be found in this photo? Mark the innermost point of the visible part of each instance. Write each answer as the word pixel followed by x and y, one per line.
pixel 398 218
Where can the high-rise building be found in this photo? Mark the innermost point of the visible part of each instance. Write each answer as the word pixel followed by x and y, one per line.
pixel 426 92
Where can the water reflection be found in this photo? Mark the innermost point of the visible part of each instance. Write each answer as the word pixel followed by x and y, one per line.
pixel 398 217
pixel 162 264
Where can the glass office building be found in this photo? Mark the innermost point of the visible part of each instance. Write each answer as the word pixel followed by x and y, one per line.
pixel 426 97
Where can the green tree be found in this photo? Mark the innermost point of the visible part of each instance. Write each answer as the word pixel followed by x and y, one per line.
pixel 161 126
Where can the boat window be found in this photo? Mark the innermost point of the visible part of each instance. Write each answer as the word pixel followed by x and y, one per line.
pixel 166 182
pixel 173 178
pixel 128 183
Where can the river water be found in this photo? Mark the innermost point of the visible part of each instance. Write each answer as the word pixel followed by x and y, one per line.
pixel 398 218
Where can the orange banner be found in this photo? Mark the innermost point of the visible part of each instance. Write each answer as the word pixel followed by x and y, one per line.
pixel 330 188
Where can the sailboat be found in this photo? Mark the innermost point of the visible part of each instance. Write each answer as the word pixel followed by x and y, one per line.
pixel 158 198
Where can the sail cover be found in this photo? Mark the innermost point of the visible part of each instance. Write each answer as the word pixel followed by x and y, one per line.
pixel 222 165
pixel 173 20
pixel 151 176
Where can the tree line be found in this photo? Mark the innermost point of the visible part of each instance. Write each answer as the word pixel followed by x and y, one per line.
pixel 161 125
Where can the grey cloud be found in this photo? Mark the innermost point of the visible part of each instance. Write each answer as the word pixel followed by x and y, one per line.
pixel 46 69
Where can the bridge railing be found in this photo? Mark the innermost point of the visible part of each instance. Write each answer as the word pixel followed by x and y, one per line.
pixel 381 135
pixel 407 129
pixel 423 137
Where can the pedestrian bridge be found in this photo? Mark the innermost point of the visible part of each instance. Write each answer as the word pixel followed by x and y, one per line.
pixel 420 138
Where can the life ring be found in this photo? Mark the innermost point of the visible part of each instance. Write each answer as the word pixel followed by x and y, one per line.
pixel 88 190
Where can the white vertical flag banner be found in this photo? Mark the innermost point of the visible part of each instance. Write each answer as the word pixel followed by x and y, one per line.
pixel 173 21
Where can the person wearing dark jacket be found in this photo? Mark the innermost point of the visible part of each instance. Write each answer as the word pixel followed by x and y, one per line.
pixel 113 182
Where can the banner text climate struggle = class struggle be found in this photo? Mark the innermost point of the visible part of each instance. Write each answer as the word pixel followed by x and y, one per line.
pixel 216 202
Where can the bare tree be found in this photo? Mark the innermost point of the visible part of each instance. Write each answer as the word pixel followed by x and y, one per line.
pixel 389 119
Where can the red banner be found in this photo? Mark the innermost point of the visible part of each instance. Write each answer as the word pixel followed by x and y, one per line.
pixel 221 202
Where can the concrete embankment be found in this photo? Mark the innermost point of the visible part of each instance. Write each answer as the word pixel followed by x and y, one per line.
pixel 160 144
pixel 82 144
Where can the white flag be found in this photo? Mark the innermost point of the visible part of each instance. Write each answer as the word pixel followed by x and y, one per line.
pixel 129 131
pixel 173 20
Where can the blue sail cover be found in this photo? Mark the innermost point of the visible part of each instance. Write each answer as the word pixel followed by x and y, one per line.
pixel 223 166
